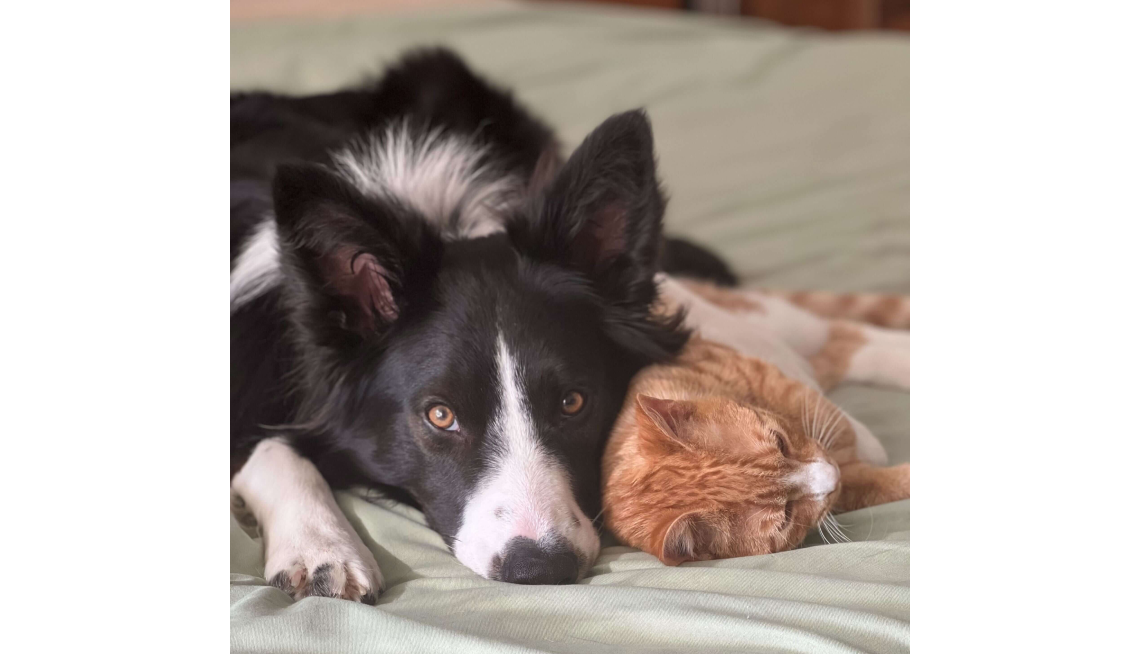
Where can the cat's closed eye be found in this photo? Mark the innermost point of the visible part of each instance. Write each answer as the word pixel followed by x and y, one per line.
pixel 788 506
pixel 782 443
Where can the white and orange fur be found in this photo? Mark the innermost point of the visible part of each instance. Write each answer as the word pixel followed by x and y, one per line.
pixel 733 449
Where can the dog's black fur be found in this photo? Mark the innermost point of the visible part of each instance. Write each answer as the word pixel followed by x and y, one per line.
pixel 345 364
pixel 432 86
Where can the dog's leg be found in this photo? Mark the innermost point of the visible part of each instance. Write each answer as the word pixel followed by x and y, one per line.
pixel 310 548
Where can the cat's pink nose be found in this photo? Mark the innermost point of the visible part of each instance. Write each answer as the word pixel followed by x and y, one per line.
pixel 817 478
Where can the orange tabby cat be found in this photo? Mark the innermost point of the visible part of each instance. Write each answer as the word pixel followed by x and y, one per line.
pixel 719 454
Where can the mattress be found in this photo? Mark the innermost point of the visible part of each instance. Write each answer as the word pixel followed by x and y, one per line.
pixel 786 151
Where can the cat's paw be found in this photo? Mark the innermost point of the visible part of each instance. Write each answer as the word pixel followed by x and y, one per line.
pixel 884 360
pixel 888 367
pixel 330 564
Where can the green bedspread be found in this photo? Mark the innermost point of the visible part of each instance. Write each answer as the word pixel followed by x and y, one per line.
pixel 787 152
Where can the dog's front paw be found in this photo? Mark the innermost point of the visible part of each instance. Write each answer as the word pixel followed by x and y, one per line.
pixel 326 566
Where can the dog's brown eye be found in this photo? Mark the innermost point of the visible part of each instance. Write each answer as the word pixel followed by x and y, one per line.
pixel 442 417
pixel 572 403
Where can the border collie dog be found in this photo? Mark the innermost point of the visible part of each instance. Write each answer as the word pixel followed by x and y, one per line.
pixel 425 298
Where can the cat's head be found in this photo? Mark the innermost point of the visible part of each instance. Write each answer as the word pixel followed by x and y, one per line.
pixel 736 480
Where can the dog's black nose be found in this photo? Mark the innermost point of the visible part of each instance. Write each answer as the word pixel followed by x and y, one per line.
pixel 527 562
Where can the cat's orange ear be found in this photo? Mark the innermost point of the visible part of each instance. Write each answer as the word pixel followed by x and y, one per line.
pixel 686 539
pixel 665 417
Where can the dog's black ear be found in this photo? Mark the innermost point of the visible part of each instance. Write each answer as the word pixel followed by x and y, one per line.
pixel 354 258
pixel 601 214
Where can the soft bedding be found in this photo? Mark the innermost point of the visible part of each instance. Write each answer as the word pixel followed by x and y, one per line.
pixel 785 151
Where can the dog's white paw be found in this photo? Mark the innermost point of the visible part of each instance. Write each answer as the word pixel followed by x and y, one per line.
pixel 311 550
pixel 327 564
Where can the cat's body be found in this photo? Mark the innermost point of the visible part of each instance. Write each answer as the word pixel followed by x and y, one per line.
pixel 733 449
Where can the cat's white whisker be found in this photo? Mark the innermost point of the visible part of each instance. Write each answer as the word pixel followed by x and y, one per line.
pixel 822 410
pixel 822 533
pixel 815 418
pixel 829 438
pixel 843 536
pixel 809 415
pixel 828 427
pixel 831 428
pixel 837 527
pixel 830 532
pixel 837 428
pixel 840 418
pixel 825 531
pixel 845 525
pixel 803 416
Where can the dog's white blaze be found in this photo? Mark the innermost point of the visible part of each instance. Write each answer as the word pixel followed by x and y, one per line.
pixel 526 492
pixel 256 269
pixel 443 176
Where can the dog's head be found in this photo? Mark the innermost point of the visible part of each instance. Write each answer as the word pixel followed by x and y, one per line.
pixel 483 375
